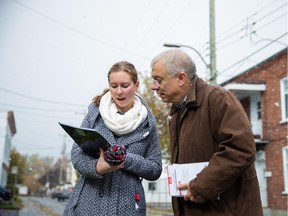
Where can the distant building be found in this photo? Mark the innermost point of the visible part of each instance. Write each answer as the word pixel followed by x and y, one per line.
pixel 71 173
pixel 263 92
pixel 7 131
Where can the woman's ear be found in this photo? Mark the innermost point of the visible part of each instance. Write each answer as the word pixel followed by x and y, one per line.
pixel 182 78
pixel 137 85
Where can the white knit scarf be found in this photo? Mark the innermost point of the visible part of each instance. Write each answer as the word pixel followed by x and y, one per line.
pixel 121 123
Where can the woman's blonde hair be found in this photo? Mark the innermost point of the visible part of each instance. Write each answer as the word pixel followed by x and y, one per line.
pixel 119 66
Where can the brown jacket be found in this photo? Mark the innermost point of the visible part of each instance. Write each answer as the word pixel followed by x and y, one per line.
pixel 214 127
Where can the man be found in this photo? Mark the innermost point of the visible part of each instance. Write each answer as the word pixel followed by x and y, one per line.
pixel 207 123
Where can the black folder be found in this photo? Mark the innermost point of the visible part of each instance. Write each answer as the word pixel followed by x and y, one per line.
pixel 89 140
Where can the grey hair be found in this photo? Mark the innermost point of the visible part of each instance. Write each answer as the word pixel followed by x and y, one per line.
pixel 175 61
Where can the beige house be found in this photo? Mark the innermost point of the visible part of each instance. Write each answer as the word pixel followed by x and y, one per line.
pixel 7 131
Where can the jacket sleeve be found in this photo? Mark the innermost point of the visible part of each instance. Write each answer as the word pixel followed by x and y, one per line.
pixel 236 147
pixel 149 166
pixel 82 162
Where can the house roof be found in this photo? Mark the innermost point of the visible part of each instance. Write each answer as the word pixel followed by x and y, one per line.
pixel 281 52
pixel 11 122
pixel 245 86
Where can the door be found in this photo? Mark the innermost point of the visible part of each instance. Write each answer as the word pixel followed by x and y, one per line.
pixel 260 164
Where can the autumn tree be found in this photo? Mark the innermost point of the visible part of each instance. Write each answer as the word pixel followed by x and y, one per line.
pixel 36 167
pixel 160 111
pixel 19 161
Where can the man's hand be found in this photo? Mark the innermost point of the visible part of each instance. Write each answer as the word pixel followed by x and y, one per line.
pixel 188 196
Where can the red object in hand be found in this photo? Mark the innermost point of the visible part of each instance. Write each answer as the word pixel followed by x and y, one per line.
pixel 115 155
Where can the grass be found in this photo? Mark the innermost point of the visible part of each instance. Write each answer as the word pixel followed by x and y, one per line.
pixel 13 204
pixel 159 212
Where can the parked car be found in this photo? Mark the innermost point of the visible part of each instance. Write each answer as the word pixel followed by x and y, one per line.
pixel 4 194
pixel 64 194
pixel 55 194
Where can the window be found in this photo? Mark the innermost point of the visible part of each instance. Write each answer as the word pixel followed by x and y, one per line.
pixel 152 186
pixel 285 168
pixel 284 99
pixel 259 110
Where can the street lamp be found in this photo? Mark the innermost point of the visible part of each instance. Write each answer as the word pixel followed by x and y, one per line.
pixel 182 45
pixel 176 45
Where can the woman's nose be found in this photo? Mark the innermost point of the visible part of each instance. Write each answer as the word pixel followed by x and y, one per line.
pixel 119 90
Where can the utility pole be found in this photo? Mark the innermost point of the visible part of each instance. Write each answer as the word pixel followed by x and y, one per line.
pixel 14 171
pixel 213 70
pixel 212 66
pixel 62 160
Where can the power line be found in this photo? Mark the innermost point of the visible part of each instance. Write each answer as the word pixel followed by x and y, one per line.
pixel 253 23
pixel 247 57
pixel 33 148
pixel 76 30
pixel 137 24
pixel 236 32
pixel 174 23
pixel 253 32
pixel 271 12
pixel 20 119
pixel 271 21
pixel 245 20
pixel 38 109
pixel 151 27
pixel 241 22
pixel 38 99
pixel 43 115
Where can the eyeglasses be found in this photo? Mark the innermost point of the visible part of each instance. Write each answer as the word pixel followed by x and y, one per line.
pixel 157 81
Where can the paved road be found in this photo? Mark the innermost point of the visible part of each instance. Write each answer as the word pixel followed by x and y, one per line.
pixel 37 206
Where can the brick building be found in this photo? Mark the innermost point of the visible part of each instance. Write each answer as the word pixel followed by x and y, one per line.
pixel 263 92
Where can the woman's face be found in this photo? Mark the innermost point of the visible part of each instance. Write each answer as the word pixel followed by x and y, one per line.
pixel 122 89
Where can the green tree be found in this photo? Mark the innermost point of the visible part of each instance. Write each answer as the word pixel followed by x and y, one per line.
pixel 16 159
pixel 161 113
pixel 36 168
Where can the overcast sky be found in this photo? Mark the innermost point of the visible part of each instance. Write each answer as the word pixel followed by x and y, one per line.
pixel 55 54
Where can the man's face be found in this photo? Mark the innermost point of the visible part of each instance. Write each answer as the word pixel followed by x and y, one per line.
pixel 164 84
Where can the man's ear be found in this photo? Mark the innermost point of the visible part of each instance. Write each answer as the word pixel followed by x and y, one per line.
pixel 182 78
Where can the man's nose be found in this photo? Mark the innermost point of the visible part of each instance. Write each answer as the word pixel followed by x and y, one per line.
pixel 154 85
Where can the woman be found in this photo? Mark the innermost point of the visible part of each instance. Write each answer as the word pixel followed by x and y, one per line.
pixel 122 117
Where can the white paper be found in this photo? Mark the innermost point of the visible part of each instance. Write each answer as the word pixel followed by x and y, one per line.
pixel 182 173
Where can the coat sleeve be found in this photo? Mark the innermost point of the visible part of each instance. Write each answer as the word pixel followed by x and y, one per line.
pixel 82 162
pixel 149 166
pixel 231 130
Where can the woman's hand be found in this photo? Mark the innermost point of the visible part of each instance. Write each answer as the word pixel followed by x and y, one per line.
pixel 102 167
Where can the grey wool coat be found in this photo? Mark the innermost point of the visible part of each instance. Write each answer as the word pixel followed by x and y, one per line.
pixel 114 193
